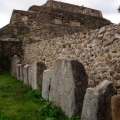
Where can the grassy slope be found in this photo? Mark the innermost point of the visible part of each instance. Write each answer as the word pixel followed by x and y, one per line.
pixel 19 102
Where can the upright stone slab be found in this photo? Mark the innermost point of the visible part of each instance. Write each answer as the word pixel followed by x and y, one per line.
pixel 97 102
pixel 15 59
pixel 37 75
pixel 115 104
pixel 68 85
pixel 47 77
pixel 21 71
pixel 18 71
pixel 30 75
pixel 25 74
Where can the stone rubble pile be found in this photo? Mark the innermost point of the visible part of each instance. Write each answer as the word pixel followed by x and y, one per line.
pixel 98 50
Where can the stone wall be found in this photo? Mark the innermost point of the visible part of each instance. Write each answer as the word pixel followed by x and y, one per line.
pixel 41 22
pixel 7 50
pixel 72 8
pixel 98 50
pixel 59 17
pixel 19 15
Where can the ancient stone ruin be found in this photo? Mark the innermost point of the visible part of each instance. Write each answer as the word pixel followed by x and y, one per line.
pixel 69 52
pixel 51 20
pixel 65 85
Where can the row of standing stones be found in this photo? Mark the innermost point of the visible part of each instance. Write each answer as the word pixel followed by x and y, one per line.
pixel 66 85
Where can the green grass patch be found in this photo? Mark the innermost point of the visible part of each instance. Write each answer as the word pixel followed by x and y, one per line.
pixel 19 102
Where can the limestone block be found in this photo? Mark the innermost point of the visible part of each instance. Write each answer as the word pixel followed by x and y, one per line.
pixel 58 21
pixel 102 30
pixel 30 76
pixel 116 36
pixel 97 102
pixel 21 71
pixel 47 77
pixel 68 86
pixel 14 59
pixel 25 74
pixel 18 71
pixel 37 75
pixel 115 103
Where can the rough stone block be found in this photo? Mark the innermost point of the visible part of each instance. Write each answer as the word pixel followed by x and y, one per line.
pixel 68 86
pixel 21 72
pixel 30 75
pixel 37 75
pixel 18 71
pixel 115 104
pixel 25 74
pixel 97 102
pixel 15 59
pixel 47 77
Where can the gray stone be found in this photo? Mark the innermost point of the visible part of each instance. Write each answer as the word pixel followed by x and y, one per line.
pixel 47 77
pixel 68 86
pixel 97 102
pixel 14 59
pixel 21 71
pixel 25 74
pixel 102 30
pixel 18 71
pixel 116 36
pixel 37 75
pixel 30 76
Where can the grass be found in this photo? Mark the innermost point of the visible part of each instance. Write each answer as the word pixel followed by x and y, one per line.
pixel 19 102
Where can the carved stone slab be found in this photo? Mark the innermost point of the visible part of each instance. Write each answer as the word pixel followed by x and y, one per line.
pixel 68 86
pixel 37 75
pixel 97 102
pixel 15 59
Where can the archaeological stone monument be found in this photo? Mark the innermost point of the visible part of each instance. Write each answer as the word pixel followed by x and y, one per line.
pixel 65 85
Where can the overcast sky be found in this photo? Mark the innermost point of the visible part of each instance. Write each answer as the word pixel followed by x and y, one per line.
pixel 108 7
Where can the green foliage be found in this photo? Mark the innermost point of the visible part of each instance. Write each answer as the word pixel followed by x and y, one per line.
pixel 50 110
pixel 19 102
pixel 54 113
pixel 75 118
pixel 3 117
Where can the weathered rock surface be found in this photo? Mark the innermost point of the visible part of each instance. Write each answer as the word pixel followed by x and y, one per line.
pixel 18 71
pixel 25 74
pixel 115 104
pixel 37 75
pixel 15 59
pixel 30 75
pixel 68 85
pixel 98 50
pixel 97 102
pixel 47 78
pixel 21 72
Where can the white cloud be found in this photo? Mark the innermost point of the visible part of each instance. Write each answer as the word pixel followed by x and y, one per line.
pixel 108 7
